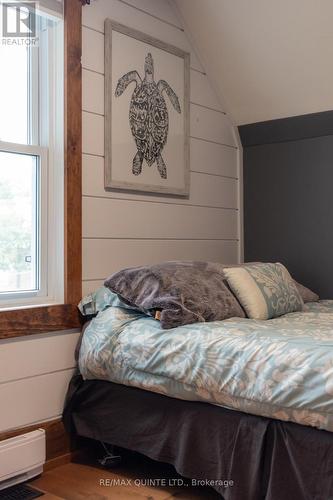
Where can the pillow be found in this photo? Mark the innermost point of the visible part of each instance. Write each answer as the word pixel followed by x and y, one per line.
pixel 306 294
pixel 99 300
pixel 264 290
pixel 177 293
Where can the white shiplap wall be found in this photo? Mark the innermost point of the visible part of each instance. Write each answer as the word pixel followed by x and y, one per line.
pixel 34 374
pixel 122 229
pixel 127 229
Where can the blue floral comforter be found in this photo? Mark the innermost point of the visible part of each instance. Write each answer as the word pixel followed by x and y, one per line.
pixel 280 368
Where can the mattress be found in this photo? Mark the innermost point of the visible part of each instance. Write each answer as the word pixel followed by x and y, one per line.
pixel 280 368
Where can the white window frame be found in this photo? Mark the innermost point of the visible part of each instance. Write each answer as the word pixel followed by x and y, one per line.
pixel 46 92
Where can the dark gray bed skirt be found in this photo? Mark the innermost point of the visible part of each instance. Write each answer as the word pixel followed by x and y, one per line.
pixel 264 459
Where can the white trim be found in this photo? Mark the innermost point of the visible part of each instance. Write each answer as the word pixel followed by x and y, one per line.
pixel 56 163
pixel 240 195
pixel 27 149
pixel 33 93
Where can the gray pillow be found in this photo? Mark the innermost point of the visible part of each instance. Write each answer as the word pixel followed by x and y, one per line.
pixel 306 294
pixel 177 293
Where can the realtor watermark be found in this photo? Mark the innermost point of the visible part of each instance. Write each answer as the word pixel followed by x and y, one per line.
pixel 19 26
pixel 165 482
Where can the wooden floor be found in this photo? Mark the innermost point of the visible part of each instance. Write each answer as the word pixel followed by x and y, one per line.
pixel 87 480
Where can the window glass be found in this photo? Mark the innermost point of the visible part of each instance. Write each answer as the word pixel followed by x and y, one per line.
pixel 14 94
pixel 18 222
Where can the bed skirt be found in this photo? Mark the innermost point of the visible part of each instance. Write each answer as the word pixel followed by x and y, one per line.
pixel 245 456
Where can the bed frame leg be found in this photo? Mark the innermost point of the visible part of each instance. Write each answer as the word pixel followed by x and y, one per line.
pixel 110 458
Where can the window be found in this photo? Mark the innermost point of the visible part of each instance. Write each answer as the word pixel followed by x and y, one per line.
pixel 64 220
pixel 32 167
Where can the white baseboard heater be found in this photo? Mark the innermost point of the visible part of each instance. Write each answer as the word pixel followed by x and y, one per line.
pixel 22 457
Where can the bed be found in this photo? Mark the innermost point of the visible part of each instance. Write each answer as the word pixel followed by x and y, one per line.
pixel 281 368
pixel 238 400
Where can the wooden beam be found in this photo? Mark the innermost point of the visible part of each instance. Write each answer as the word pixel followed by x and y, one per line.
pixel 73 151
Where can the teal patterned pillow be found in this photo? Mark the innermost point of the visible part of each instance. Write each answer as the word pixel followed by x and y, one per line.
pixel 100 300
pixel 264 290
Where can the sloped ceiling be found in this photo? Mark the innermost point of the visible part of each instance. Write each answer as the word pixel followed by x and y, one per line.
pixel 267 59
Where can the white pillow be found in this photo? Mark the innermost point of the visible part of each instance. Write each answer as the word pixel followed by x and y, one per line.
pixel 264 290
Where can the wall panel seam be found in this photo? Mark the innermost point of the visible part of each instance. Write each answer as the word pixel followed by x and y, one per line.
pixel 93 154
pixel 199 71
pixel 99 197
pixel 126 238
pixel 215 175
pixel 35 422
pixel 191 102
pixel 213 142
pixel 208 107
pixel 28 377
pixel 92 112
pixel 36 336
pixel 93 29
pixel 86 68
pixel 284 141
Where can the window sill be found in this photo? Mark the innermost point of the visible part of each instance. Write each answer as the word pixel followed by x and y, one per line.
pixel 29 305
pixel 41 319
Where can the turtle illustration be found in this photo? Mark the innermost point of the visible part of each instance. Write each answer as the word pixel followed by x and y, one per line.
pixel 148 116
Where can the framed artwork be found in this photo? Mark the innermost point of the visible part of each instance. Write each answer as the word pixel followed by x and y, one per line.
pixel 146 113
